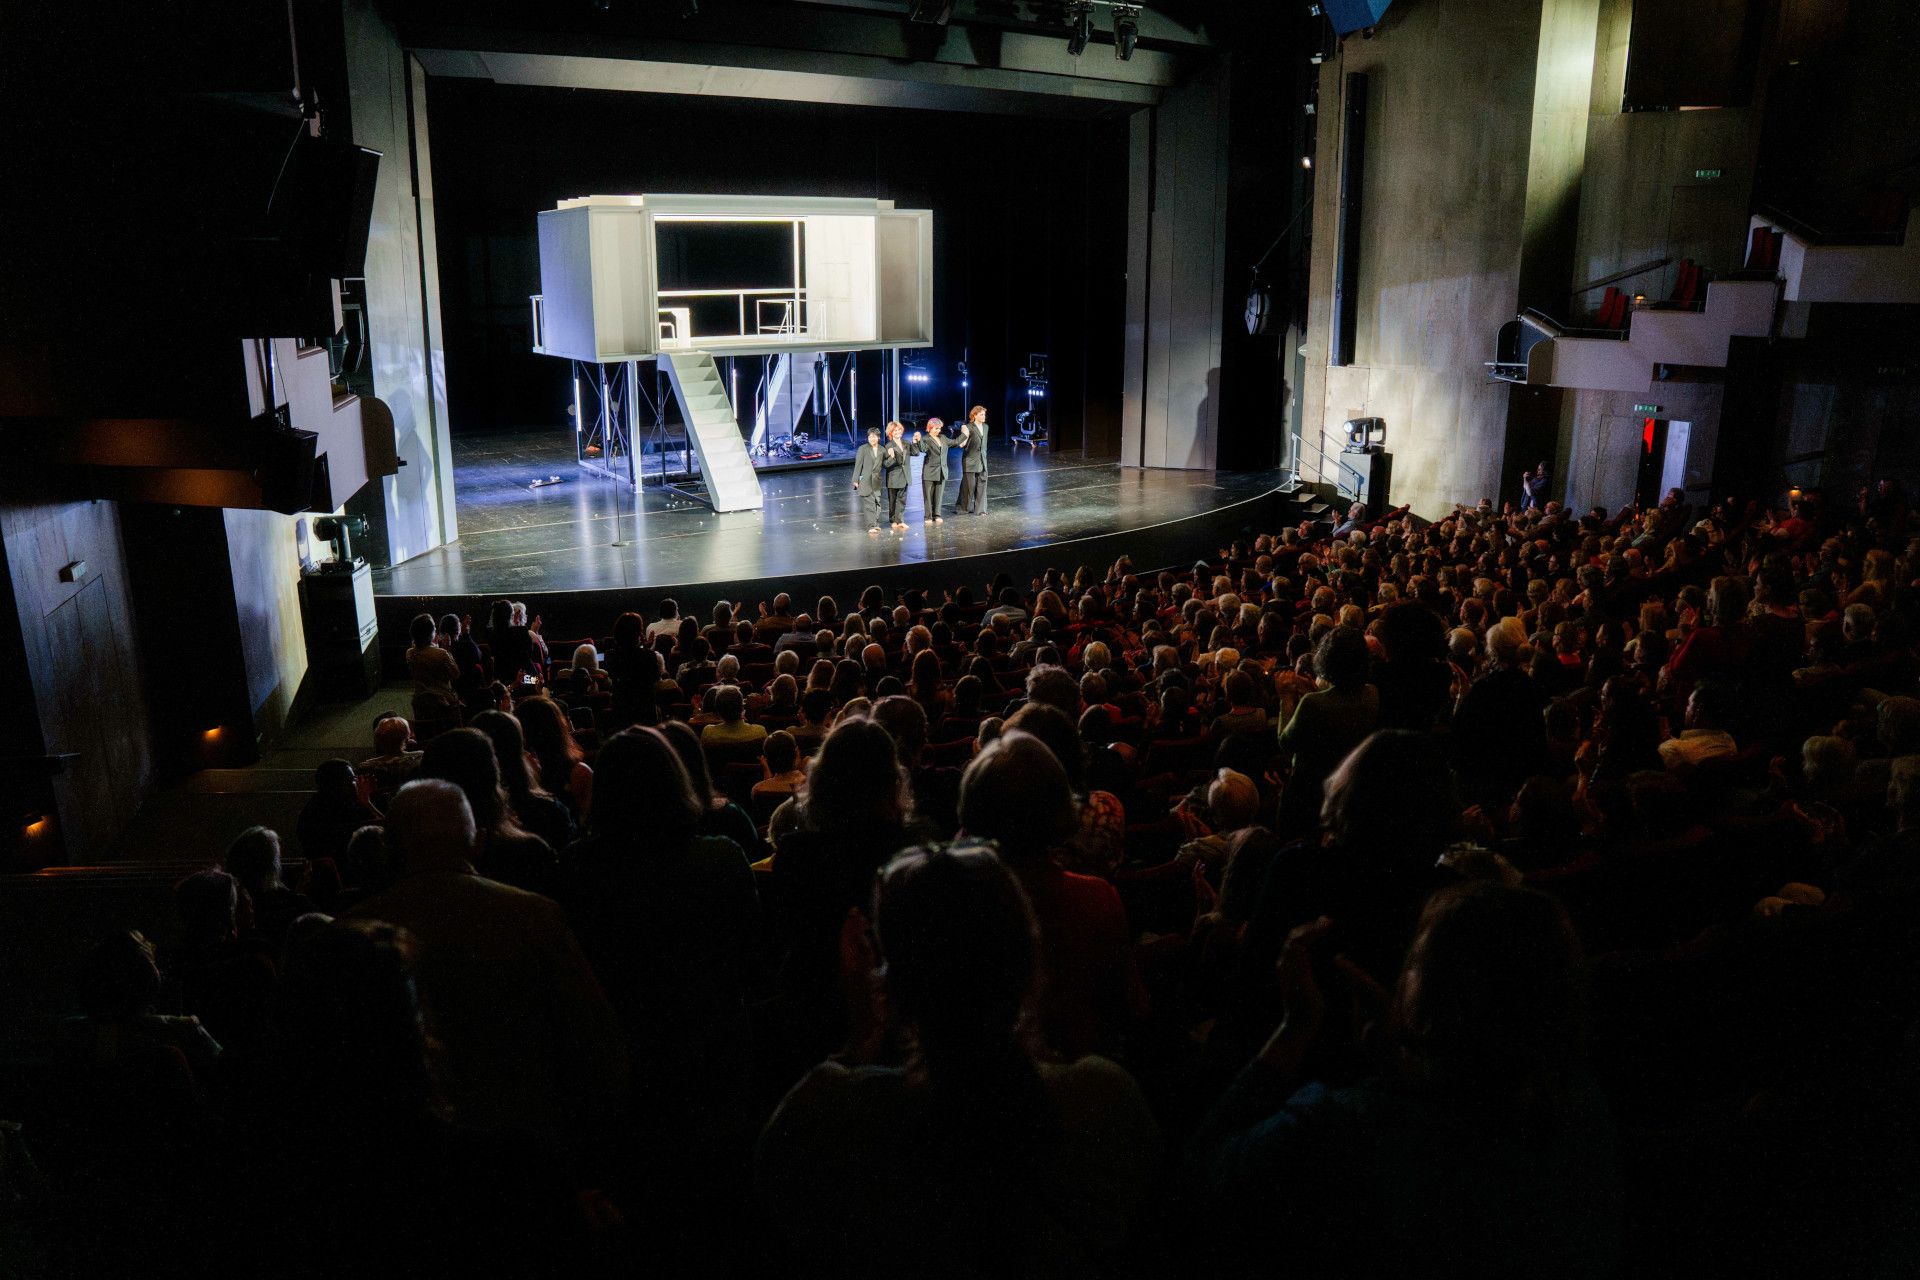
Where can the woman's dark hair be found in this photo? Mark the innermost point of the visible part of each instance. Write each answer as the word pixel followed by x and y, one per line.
pixel 1341 658
pixel 686 745
pixel 499 616
pixel 1016 794
pixel 962 956
pixel 849 682
pixel 207 903
pixel 550 738
pixel 118 979
pixel 465 757
pixel 1392 800
pixel 926 674
pixel 1060 735
pixel 420 630
pixel 1413 633
pixel 1491 1004
pixel 628 628
pixel 350 1029
pixel 966 695
pixel 856 785
pixel 510 752
pixel 642 792
pixel 450 625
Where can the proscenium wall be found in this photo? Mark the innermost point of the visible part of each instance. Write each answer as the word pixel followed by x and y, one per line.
pixel 1449 128
pixel 413 509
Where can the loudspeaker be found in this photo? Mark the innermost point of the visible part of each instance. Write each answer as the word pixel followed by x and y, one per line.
pixel 323 206
pixel 1346 264
pixel 285 465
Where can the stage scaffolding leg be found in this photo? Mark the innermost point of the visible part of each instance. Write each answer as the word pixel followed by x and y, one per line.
pixel 633 422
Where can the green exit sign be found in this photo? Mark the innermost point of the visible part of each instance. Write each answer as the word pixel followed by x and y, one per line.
pixel 1706 173
pixel 1646 408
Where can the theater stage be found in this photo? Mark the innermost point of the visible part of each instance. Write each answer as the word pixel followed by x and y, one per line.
pixel 559 542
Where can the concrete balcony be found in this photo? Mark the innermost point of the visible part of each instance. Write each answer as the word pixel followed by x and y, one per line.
pixel 1813 270
pixel 1544 355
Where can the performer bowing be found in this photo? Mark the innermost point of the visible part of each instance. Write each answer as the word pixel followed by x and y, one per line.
pixel 973 462
pixel 869 479
pixel 899 468
pixel 932 448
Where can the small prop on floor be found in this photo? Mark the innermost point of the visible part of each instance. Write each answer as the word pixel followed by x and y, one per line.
pixel 543 482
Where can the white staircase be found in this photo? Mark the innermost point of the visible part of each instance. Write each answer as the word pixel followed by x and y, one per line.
pixel 789 392
pixel 712 431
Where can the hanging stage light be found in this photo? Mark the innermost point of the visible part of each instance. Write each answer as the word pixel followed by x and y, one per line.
pixel 1081 32
pixel 1126 30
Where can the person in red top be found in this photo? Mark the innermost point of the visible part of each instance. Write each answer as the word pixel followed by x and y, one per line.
pixel 1016 794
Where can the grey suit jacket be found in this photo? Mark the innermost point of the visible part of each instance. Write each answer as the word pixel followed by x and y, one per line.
pixel 973 455
pixel 866 467
pixel 935 452
pixel 900 470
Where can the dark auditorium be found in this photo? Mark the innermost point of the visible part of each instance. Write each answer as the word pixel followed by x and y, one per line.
pixel 959 639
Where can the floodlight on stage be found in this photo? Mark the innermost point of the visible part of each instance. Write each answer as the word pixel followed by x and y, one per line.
pixel 1126 30
pixel 1081 32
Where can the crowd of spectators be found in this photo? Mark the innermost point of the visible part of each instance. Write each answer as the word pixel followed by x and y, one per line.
pixel 1517 893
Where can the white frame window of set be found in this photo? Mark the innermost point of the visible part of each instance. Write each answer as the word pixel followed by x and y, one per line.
pixel 862 279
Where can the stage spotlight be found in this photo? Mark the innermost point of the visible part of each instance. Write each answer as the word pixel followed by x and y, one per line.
pixel 1126 30
pixel 1081 32
pixel 1306 162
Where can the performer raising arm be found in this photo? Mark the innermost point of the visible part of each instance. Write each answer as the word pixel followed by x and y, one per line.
pixel 973 462
pixel 869 480
pixel 899 469
pixel 932 448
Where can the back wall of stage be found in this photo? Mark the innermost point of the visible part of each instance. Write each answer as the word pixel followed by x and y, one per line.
pixel 1029 231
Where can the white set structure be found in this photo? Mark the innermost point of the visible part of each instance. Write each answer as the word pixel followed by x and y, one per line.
pixel 678 280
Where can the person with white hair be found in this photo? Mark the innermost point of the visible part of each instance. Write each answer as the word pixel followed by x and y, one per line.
pixel 539 642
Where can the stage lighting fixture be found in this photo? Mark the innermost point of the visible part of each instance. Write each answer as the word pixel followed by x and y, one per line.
pixel 1126 30
pixel 1306 162
pixel 1081 33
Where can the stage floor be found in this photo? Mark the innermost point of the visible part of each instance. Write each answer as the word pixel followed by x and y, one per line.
pixel 561 538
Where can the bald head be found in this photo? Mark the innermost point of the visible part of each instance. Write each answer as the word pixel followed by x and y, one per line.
pixel 430 826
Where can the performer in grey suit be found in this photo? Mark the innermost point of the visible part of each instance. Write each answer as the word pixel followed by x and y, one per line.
pixel 898 464
pixel 932 448
pixel 868 480
pixel 973 462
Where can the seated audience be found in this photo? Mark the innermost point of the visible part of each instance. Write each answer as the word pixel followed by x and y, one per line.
pixel 866 1165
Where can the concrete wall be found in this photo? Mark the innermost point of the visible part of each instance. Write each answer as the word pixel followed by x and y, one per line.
pixel 1604 445
pixel 1176 272
pixel 78 641
pixel 1448 137
pixel 403 296
pixel 264 559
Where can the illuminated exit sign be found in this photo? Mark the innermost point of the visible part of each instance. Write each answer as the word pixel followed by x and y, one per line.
pixel 1706 173
pixel 1646 408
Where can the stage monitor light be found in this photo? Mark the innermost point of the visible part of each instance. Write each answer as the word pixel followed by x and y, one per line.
pixel 1126 30
pixel 1365 433
pixel 1081 32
